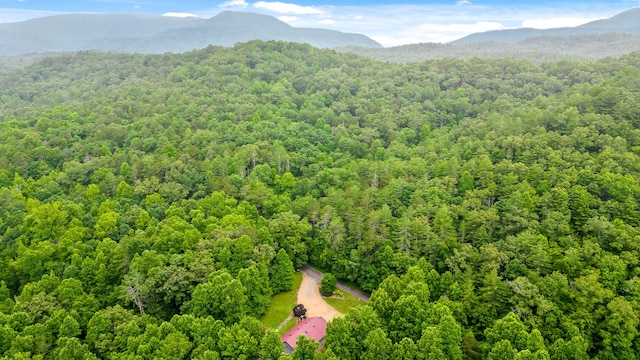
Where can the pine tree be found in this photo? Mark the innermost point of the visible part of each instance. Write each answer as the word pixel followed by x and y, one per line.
pixel 282 273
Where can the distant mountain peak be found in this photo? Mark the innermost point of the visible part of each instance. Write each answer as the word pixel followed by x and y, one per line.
pixel 240 18
pixel 158 34
pixel 626 22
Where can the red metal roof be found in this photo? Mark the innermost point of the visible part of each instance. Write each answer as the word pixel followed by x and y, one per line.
pixel 313 328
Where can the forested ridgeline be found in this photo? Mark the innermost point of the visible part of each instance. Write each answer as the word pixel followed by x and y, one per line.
pixel 152 204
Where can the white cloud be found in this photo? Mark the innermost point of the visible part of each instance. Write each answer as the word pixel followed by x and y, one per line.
pixel 234 3
pixel 137 6
pixel 393 25
pixel 480 26
pixel 287 8
pixel 463 2
pixel 433 33
pixel 179 14
pixel 557 22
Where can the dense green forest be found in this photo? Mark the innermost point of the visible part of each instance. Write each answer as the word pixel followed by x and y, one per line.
pixel 152 204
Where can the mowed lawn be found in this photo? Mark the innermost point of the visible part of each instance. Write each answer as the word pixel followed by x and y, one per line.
pixel 347 302
pixel 282 304
pixel 290 324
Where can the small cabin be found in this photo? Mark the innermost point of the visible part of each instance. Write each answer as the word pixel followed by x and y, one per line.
pixel 313 328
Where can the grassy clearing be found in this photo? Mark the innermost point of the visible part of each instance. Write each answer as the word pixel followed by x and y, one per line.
pixel 347 302
pixel 290 324
pixel 281 304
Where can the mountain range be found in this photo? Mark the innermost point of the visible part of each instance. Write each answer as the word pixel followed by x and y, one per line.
pixel 537 49
pixel 159 34
pixel 615 36
pixel 627 22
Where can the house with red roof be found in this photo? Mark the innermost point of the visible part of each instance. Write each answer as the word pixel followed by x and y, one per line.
pixel 313 328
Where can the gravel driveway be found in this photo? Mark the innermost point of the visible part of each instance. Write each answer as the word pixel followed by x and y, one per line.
pixel 309 296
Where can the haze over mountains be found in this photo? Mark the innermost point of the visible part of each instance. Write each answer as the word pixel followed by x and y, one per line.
pixel 627 22
pixel 614 37
pixel 158 34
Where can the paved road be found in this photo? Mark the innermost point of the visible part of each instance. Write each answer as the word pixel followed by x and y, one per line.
pixel 314 273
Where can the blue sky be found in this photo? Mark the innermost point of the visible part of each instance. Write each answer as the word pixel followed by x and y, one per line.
pixel 390 23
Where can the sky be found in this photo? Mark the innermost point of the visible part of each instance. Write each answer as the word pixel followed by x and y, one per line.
pixel 388 22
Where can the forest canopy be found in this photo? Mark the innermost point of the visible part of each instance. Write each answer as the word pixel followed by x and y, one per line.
pixel 151 205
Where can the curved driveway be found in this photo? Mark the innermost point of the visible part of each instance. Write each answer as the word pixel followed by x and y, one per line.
pixel 309 296
pixel 317 275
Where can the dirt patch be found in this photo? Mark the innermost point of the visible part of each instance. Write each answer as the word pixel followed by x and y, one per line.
pixel 309 296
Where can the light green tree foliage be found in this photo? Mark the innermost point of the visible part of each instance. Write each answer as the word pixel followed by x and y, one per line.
pixel 271 346
pixel 377 345
pixel 255 280
pixel 69 327
pixel 108 330
pixel 222 297
pixel 404 350
pixel 291 234
pixel 305 349
pixel 328 284
pixel 72 348
pixel 281 272
pixel 237 343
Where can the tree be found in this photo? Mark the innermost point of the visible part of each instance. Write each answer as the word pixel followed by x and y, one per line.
pixel 256 283
pixel 222 297
pixel 340 339
pixel 281 272
pixel 429 345
pixel 175 345
pixel 406 349
pixel 407 318
pixel 470 348
pixel 7 335
pixel 271 346
pixel 619 329
pixel 69 327
pixel 377 345
pixel 71 348
pixel 237 343
pixel 574 349
pixel 328 284
pixel 506 329
pixel 305 349
pixel 291 234
pixel 107 328
pixel 136 290
pixel 451 335
pixel 502 351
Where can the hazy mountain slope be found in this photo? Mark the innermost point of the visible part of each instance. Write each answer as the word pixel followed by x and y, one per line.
pixel 154 34
pixel 626 22
pixel 8 63
pixel 228 28
pixel 538 50
pixel 81 31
